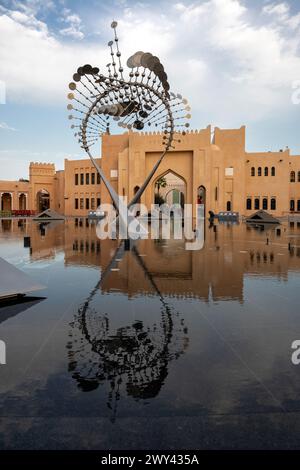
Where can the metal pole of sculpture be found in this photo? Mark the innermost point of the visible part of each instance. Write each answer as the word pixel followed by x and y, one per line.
pixel 142 98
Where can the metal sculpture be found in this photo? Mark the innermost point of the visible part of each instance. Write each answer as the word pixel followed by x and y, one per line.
pixel 134 358
pixel 141 99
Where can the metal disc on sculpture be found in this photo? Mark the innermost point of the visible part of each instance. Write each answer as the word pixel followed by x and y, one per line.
pixel 143 114
pixel 87 69
pixel 158 68
pixel 137 59
pixel 114 110
pixel 129 62
pixel 152 61
pixel 145 58
pixel 138 125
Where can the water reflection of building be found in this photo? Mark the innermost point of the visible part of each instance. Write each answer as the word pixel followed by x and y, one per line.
pixel 82 247
pixel 216 272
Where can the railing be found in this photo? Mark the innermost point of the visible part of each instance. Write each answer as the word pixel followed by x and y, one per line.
pixel 17 213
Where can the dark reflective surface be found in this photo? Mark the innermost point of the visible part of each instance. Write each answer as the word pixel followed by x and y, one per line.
pixel 156 347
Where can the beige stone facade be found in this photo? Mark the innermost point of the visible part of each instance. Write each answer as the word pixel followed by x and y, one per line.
pixel 203 167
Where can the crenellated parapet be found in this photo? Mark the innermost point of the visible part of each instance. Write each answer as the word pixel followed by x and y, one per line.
pixel 160 134
pixel 40 168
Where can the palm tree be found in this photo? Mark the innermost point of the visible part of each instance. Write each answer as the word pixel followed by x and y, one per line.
pixel 160 183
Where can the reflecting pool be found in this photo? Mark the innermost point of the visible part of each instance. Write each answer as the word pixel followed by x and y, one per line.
pixel 153 348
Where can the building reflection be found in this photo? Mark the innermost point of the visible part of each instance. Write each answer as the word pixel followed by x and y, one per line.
pixel 126 356
pixel 215 273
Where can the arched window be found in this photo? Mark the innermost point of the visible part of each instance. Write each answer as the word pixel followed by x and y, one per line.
pixel 22 202
pixel 298 176
pixel 259 171
pixel 253 171
pixel 256 203
pixel 266 171
pixel 273 171
pixel 292 177
pixel 228 206
pixel 265 204
pixel 292 205
pixel 249 204
pixel 273 204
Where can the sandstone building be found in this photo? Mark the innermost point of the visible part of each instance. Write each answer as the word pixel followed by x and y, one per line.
pixel 213 169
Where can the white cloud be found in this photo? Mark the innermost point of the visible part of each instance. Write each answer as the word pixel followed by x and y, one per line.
pixel 28 20
pixel 74 26
pixel 281 16
pixel 73 32
pixel 36 66
pixel 231 68
pixel 33 7
pixel 280 9
pixel 72 18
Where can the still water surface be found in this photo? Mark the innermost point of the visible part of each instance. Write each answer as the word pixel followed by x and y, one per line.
pixel 156 347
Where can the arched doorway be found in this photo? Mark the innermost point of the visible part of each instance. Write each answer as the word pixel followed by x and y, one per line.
pixel 170 188
pixel 175 196
pixel 22 202
pixel 6 202
pixel 43 200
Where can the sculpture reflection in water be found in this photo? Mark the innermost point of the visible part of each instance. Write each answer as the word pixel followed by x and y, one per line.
pixel 134 358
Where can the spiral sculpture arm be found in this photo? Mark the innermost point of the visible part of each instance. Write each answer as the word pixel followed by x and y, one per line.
pixel 140 100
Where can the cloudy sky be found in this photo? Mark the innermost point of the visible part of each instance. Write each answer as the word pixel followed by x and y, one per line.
pixel 236 61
